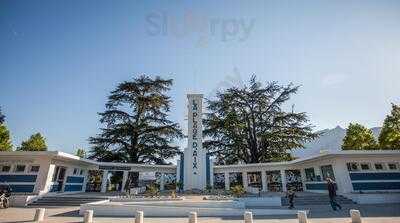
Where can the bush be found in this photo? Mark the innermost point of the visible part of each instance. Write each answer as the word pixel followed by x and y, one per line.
pixel 237 190
pixel 152 190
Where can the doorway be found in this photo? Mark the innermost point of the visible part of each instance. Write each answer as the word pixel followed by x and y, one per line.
pixel 58 178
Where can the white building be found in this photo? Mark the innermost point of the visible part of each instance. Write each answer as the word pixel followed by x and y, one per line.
pixel 57 172
pixel 353 171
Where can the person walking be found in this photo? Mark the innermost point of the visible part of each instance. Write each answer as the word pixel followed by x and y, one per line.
pixel 332 194
pixel 291 195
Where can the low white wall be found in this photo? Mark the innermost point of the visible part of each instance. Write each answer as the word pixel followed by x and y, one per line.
pixel 261 201
pixel 379 198
pixel 123 210
pixel 21 200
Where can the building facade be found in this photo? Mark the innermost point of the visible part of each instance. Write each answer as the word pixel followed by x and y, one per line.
pixel 55 172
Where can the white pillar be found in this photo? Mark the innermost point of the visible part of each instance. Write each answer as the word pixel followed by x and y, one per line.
pixel 85 179
pixel 227 183
pixel 342 177
pixel 193 217
pixel 88 216
pixel 355 216
pixel 162 182
pixel 302 216
pixel 245 181
pixel 39 215
pixel 124 179
pixel 139 217
pixel 104 181
pixel 283 178
pixel 248 217
pixel 303 178
pixel 317 172
pixel 264 181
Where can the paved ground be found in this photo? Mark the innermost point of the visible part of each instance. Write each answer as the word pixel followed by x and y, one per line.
pixel 318 214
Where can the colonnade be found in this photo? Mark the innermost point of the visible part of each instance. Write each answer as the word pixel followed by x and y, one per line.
pixel 125 179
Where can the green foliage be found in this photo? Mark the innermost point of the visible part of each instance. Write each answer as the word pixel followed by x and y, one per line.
pixel 2 117
pixel 179 185
pixel 5 138
pixel 358 137
pixel 136 125
pixel 237 190
pixel 80 152
pixel 249 124
pixel 35 143
pixel 389 137
pixel 152 190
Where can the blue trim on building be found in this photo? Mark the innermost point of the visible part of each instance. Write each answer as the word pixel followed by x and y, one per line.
pixel 54 188
pixel 208 180
pixel 22 188
pixel 316 186
pixel 376 186
pixel 18 178
pixel 74 179
pixel 181 168
pixel 375 176
pixel 73 187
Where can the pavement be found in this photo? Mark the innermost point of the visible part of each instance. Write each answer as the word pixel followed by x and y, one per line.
pixel 378 213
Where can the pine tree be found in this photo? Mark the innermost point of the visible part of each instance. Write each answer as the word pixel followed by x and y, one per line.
pixel 358 137
pixel 136 125
pixel 249 124
pixel 5 139
pixel 80 152
pixel 2 117
pixel 389 137
pixel 35 143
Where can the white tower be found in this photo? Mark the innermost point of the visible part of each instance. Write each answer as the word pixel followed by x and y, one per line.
pixel 194 155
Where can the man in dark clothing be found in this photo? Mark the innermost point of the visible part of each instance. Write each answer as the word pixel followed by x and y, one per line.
pixel 291 195
pixel 332 194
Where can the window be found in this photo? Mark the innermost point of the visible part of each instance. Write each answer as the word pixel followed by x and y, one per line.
pixel 5 168
pixel 379 166
pixel 365 166
pixel 352 166
pixel 35 169
pixel 310 174
pixel 392 166
pixel 75 171
pixel 327 171
pixel 20 168
pixel 81 173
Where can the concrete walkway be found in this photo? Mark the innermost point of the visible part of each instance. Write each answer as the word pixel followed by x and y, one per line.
pixel 318 214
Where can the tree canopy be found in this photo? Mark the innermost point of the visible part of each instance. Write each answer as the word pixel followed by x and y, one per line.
pixel 136 125
pixel 358 137
pixel 249 124
pixel 80 152
pixel 35 143
pixel 5 138
pixel 2 117
pixel 389 137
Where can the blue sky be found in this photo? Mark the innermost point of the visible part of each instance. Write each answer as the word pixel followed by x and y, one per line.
pixel 60 59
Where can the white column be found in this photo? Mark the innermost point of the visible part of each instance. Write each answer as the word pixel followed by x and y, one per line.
pixel 227 183
pixel 104 181
pixel 317 172
pixel 342 177
pixel 283 178
pixel 245 180
pixel 162 181
pixel 124 179
pixel 85 179
pixel 264 181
